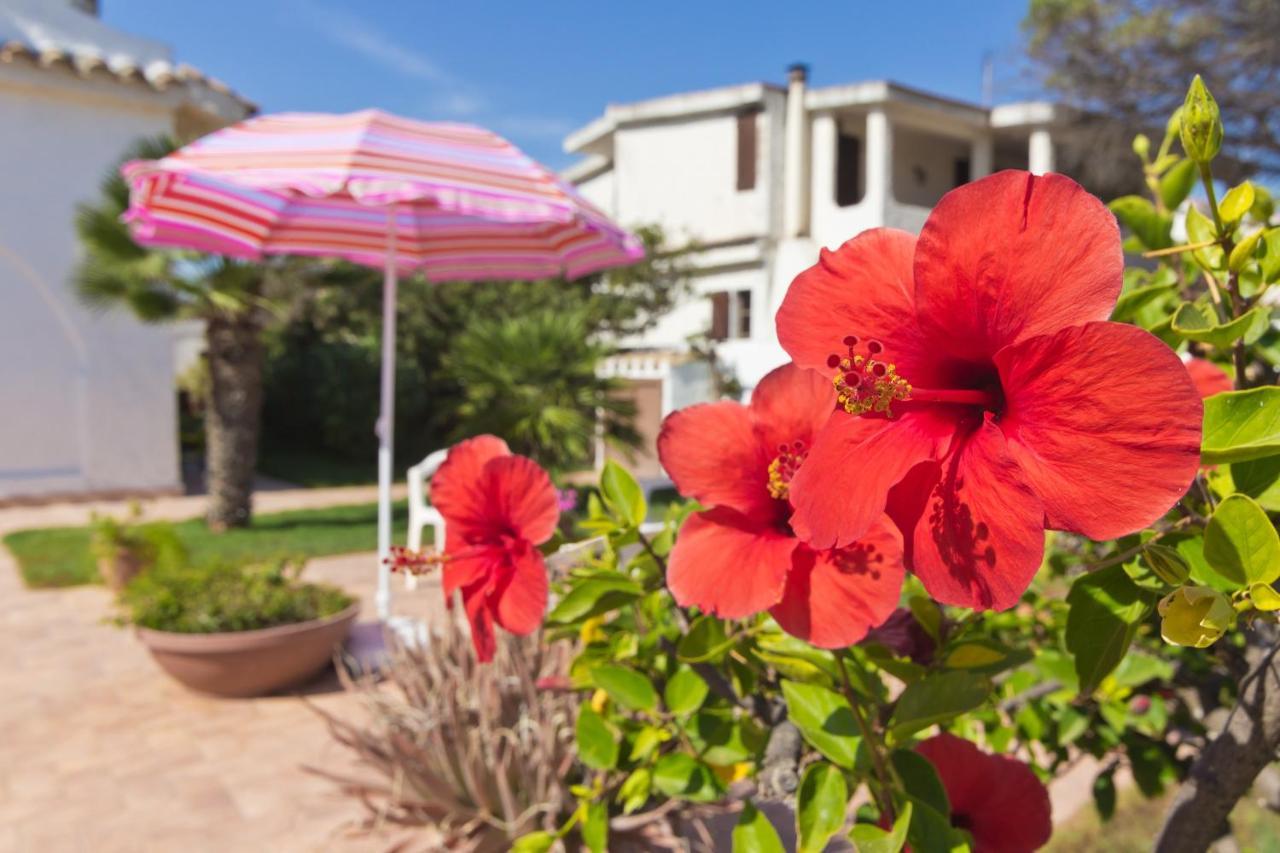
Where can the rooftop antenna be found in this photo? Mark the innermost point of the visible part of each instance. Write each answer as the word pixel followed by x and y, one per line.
pixel 988 78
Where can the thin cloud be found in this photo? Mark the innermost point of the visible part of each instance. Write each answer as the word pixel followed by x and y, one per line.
pixel 349 31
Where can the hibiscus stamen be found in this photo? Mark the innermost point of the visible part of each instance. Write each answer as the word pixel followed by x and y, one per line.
pixel 414 563
pixel 864 383
pixel 784 467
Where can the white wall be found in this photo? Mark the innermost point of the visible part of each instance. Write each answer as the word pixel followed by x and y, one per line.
pixel 683 175
pixel 87 400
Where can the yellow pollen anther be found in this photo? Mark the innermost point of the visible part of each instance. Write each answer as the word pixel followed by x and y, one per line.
pixel 783 468
pixel 864 385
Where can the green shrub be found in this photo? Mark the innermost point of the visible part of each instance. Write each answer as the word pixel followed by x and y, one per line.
pixel 206 599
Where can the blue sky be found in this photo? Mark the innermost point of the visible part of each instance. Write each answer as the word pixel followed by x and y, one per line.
pixel 535 70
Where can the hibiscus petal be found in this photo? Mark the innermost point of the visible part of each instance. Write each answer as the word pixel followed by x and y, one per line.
pixel 475 602
pixel 521 498
pixel 1105 421
pixel 713 455
pixel 1000 799
pixel 726 563
pixel 980 538
pixel 1011 256
pixel 458 489
pixel 791 404
pixel 519 598
pixel 1208 377
pixel 865 289
pixel 842 487
pixel 833 598
pixel 468 568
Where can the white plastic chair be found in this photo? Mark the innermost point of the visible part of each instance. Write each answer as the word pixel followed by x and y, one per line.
pixel 421 513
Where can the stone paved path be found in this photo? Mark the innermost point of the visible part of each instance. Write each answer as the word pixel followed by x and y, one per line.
pixel 100 751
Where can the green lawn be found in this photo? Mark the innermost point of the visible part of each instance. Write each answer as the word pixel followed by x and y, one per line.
pixel 59 556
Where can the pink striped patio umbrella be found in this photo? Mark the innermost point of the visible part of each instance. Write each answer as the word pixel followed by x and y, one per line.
pixel 453 201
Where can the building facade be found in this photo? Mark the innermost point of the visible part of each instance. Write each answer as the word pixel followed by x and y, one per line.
pixel 759 177
pixel 87 400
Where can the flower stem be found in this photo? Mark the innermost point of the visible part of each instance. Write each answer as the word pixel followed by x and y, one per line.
pixel 874 745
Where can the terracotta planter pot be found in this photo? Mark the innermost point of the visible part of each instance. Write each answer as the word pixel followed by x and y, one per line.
pixel 250 663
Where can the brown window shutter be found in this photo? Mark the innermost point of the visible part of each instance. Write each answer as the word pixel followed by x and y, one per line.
pixel 720 315
pixel 848 155
pixel 747 150
pixel 744 313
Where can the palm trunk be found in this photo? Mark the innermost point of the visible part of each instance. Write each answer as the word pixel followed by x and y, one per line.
pixel 235 354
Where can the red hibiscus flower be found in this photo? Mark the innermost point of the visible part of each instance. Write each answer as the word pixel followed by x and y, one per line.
pixel 996 799
pixel 497 509
pixel 984 395
pixel 739 556
pixel 1208 377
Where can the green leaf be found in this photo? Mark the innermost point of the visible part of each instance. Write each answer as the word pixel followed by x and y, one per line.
pixel 985 656
pixel 937 698
pixel 1260 480
pixel 1167 564
pixel 825 719
pixel 534 842
pixel 1240 543
pixel 927 613
pixel 625 686
pixel 1264 597
pixel 1132 301
pixel 1191 323
pixel 685 692
pixel 930 824
pixel 1270 260
pixel 678 774
pixel 723 738
pixel 1104 795
pixel 867 838
pixel 706 641
pixel 592 596
pixel 634 791
pixel 622 493
pixel 754 833
pixel 1177 183
pixel 1200 229
pixel 1106 609
pixel 646 741
pixel 597 746
pixel 1243 251
pixel 595 827
pixel 820 806
pixel 1141 217
pixel 1241 425
pixel 1236 203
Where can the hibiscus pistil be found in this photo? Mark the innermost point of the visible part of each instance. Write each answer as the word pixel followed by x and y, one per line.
pixel 783 467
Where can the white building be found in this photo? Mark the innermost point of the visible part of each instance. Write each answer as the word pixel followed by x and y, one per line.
pixel 759 177
pixel 87 401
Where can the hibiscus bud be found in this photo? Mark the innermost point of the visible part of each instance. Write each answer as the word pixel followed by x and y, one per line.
pixel 1195 616
pixel 1141 145
pixel 1201 125
pixel 1140 705
pixel 1167 564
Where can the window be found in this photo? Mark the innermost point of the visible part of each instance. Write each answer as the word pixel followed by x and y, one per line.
pixel 730 315
pixel 720 316
pixel 743 324
pixel 747 150
pixel 848 167
pixel 961 174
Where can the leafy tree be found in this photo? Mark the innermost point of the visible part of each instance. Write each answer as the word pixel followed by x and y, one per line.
pixel 1125 64
pixel 323 360
pixel 532 380
pixel 234 300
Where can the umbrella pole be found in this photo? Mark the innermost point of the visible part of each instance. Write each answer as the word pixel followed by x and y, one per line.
pixel 386 418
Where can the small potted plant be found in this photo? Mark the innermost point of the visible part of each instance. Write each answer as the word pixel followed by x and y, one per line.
pixel 237 629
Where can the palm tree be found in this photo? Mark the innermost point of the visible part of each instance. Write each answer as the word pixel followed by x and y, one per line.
pixel 230 297
pixel 532 379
